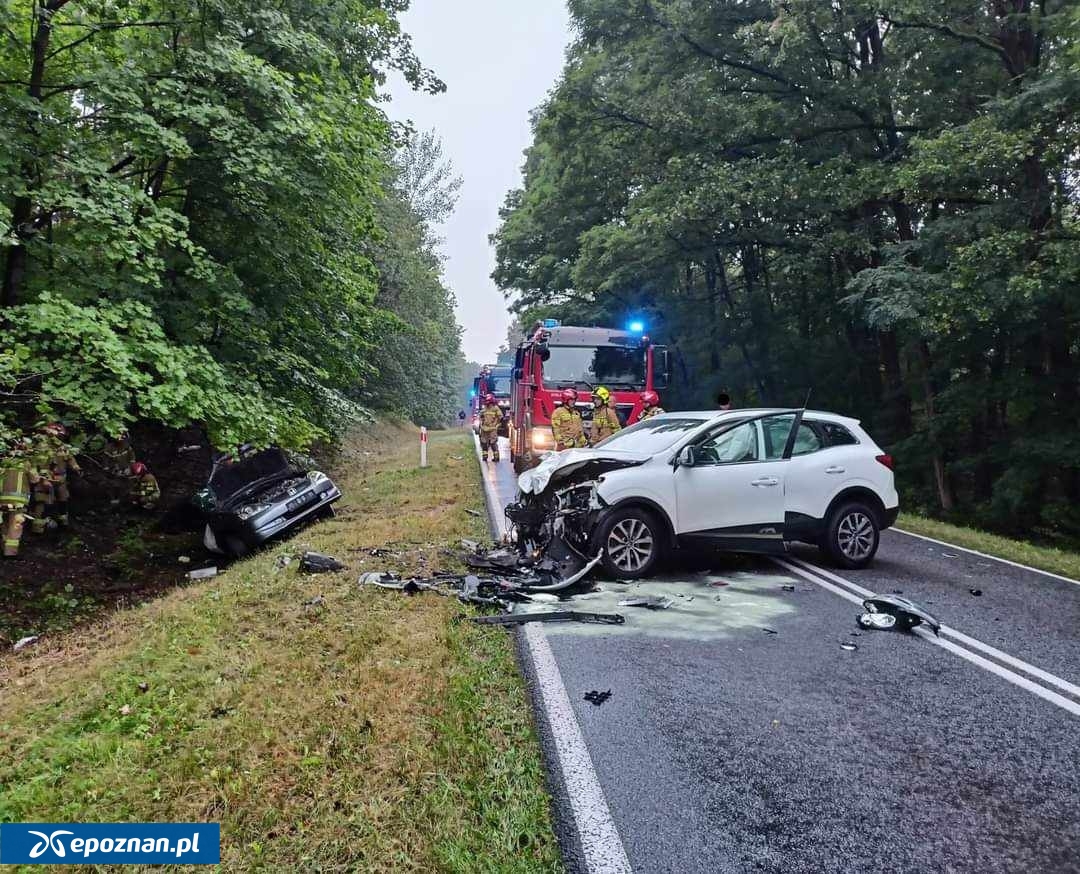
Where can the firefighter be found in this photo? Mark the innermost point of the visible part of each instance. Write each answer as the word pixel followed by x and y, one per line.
pixel 605 421
pixel 17 476
pixel 118 455
pixel 650 403
pixel 566 424
pixel 145 491
pixel 55 460
pixel 490 420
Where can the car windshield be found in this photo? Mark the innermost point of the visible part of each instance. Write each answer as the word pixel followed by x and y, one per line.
pixel 617 367
pixel 652 435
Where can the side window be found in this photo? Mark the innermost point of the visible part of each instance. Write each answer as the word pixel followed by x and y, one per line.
pixel 778 428
pixel 730 447
pixel 837 435
pixel 806 441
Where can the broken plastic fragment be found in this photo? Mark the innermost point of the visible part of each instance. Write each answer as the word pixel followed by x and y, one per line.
pixel 850 647
pixel 908 614
pixel 597 698
pixel 24 642
pixel 553 616
pixel 788 588
pixel 317 563
pixel 203 573
pixel 975 592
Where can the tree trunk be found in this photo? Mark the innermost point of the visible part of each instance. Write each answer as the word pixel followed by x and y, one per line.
pixel 941 479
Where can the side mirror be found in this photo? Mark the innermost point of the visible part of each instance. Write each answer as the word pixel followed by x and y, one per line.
pixel 519 372
pixel 543 352
pixel 661 368
pixel 685 457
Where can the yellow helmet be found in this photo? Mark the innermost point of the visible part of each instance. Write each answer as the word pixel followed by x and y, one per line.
pixel 602 394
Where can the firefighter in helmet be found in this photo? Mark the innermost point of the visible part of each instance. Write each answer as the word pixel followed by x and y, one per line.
pixel 605 421
pixel 56 459
pixel 490 420
pixel 18 475
pixel 145 491
pixel 650 403
pixel 566 424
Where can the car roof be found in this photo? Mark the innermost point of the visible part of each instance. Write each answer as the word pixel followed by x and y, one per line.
pixel 708 415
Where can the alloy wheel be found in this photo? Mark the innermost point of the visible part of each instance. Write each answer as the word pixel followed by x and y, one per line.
pixel 855 535
pixel 630 545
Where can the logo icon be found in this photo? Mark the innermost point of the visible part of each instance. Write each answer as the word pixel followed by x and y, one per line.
pixel 49 842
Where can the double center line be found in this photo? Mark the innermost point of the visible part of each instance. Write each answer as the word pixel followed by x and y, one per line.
pixel 1016 671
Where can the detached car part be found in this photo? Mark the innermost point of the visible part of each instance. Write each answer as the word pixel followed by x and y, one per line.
pixel 908 614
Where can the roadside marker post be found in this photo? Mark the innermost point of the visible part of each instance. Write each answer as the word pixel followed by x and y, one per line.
pixel 423 447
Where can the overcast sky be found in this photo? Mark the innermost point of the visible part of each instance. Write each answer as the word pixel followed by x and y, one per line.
pixel 498 59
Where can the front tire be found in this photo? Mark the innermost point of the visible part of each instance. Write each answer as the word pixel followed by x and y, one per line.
pixel 852 535
pixel 631 541
pixel 236 546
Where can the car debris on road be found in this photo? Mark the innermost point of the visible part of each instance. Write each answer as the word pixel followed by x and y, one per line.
pixel 894 612
pixel 597 698
pixel 318 563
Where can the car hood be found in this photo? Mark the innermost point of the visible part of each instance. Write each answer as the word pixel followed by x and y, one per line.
pixel 558 467
pixel 232 480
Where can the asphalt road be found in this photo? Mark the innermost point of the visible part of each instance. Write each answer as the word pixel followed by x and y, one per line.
pixel 744 734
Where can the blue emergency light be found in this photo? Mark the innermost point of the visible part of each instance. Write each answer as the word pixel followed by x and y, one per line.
pixel 636 327
pixel 472 392
pixel 551 323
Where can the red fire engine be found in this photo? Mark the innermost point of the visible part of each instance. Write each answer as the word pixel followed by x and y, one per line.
pixel 557 357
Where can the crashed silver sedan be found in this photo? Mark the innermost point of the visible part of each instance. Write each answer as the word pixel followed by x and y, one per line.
pixel 743 481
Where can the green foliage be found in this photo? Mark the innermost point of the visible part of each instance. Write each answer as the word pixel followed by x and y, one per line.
pixel 874 202
pixel 198 184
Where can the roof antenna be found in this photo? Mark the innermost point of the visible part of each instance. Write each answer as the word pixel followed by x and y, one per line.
pixel 806 403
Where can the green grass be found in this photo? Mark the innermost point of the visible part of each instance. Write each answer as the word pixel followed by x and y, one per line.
pixel 1047 558
pixel 369 732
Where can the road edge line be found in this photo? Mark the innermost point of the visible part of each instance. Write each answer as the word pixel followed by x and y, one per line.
pixel 1024 567
pixel 992 667
pixel 601 846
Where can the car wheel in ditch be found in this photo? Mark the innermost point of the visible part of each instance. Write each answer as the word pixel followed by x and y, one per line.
pixel 852 535
pixel 632 543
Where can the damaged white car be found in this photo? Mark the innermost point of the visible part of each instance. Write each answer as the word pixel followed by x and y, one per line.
pixel 743 481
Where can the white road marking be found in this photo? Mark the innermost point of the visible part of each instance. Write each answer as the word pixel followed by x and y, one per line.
pixel 948 631
pixel 1017 564
pixel 993 667
pixel 601 847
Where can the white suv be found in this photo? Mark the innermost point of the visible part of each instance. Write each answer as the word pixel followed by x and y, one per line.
pixel 744 480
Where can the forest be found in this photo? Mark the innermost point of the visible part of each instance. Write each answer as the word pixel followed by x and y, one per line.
pixel 873 204
pixel 206 217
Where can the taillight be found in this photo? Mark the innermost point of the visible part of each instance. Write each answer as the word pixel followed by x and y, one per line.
pixel 887 460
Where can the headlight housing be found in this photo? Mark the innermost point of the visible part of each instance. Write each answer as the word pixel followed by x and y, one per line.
pixel 250 510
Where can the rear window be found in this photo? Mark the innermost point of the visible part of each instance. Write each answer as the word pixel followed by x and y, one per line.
pixel 837 435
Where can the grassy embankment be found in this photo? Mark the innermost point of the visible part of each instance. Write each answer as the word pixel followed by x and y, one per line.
pixel 365 732
pixel 1047 558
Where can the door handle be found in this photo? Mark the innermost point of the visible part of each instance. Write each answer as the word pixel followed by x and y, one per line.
pixel 766 481
pixel 834 469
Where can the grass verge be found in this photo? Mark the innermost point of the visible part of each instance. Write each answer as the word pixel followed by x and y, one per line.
pixel 325 727
pixel 1047 558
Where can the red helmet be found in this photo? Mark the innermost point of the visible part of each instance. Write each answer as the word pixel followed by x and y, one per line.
pixel 569 396
pixel 489 399
pixel 138 468
pixel 650 398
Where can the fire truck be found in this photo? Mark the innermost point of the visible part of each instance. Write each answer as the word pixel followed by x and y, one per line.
pixel 557 357
pixel 493 379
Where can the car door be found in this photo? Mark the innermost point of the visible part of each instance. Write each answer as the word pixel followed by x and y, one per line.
pixel 733 494
pixel 827 459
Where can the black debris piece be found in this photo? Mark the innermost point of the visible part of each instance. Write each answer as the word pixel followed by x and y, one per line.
pixel 317 601
pixel 475 513
pixel 144 687
pixel 976 592
pixel 382 552
pixel 769 630
pixel 908 614
pixel 597 698
pixel 317 563
pixel 551 616
pixel 788 588
pixel 219 712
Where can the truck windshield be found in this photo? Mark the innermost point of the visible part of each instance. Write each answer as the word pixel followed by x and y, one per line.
pixel 617 367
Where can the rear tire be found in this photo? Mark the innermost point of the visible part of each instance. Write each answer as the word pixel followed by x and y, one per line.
pixel 852 535
pixel 632 543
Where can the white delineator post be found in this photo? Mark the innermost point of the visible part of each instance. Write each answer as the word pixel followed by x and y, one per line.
pixel 423 447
